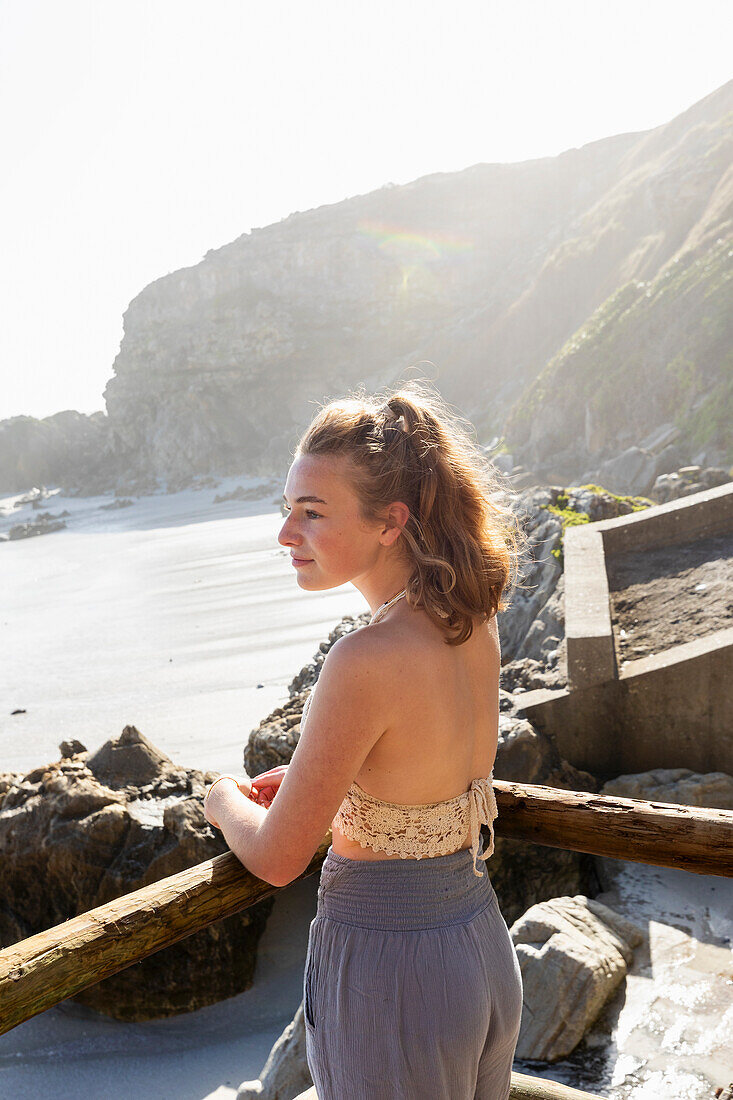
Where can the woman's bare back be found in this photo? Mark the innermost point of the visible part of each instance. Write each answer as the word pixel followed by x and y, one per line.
pixel 441 707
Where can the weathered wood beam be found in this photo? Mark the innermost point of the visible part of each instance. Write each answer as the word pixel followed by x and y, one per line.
pixel 537 1088
pixel 55 964
pixel 692 838
pixel 522 1088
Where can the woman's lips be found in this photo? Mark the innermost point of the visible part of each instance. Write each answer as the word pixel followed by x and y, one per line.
pixel 300 561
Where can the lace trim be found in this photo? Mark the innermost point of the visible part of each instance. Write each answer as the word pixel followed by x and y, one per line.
pixel 417 831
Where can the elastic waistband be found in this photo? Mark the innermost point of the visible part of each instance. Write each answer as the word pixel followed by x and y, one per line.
pixel 402 894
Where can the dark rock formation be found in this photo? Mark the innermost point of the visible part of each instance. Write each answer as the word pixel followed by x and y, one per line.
pixel 86 829
pixel 42 525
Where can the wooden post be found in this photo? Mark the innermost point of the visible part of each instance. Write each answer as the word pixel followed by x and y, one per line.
pixel 55 964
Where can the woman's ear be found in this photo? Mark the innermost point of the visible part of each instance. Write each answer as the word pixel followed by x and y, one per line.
pixel 397 516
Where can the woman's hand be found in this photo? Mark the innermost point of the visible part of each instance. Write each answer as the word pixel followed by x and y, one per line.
pixel 211 796
pixel 266 785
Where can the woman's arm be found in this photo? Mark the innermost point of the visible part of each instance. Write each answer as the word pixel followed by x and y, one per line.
pixel 239 818
pixel 345 720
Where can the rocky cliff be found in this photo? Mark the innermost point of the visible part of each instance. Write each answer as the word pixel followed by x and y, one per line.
pixel 572 302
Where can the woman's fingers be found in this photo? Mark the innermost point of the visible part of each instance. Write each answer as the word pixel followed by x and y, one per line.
pixel 266 785
pixel 274 773
pixel 263 796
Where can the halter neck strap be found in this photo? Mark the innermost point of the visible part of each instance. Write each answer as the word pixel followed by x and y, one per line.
pixel 383 608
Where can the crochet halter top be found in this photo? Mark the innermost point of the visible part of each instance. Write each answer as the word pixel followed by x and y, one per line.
pixel 417 831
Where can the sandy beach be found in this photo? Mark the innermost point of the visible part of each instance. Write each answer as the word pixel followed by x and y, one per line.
pixel 176 615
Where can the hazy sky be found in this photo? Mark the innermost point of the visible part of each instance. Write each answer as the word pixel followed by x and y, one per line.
pixel 137 135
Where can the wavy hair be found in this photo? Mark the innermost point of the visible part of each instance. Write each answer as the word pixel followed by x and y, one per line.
pixel 408 445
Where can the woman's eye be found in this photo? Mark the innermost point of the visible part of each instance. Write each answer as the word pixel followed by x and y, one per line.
pixel 285 510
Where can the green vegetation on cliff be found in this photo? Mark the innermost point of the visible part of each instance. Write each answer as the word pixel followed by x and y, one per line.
pixel 656 351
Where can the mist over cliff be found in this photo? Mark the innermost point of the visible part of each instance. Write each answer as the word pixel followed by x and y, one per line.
pixel 572 304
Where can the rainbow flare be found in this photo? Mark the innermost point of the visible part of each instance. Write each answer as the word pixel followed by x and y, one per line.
pixel 397 238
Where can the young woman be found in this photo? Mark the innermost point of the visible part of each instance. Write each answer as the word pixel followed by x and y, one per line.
pixel 412 987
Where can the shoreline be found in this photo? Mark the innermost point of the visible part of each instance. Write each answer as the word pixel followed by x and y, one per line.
pixel 176 615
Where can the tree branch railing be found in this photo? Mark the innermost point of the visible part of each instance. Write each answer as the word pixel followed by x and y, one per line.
pixel 59 962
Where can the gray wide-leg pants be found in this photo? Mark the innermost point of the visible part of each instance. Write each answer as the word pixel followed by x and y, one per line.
pixel 412 987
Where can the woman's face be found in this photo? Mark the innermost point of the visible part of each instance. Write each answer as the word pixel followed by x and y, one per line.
pixel 326 531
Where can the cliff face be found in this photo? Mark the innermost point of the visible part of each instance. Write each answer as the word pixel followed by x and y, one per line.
pixel 221 363
pixel 67 447
pixel 659 349
pixel 572 302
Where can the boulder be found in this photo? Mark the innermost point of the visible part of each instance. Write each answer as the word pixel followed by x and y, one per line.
pixel 573 953
pixel 714 476
pixel 687 480
pixel 670 459
pixel 86 829
pixel 633 471
pixel 678 785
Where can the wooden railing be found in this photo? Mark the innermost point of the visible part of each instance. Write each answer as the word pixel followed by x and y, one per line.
pixel 44 969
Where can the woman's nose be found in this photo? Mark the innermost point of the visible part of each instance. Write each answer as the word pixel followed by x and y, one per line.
pixel 287 536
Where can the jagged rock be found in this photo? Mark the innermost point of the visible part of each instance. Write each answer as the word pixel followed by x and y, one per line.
pixel 573 953
pixel 540 569
pixel 549 623
pixel 71 748
pixel 84 830
pixel 678 785
pixel 529 673
pixel 536 612
pixel 41 526
pixel 686 481
pixel 131 760
pixel 285 1073
pixel 115 505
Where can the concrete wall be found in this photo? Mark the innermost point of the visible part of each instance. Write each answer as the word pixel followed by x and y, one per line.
pixel 591 653
pixel 670 710
pixel 686 520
